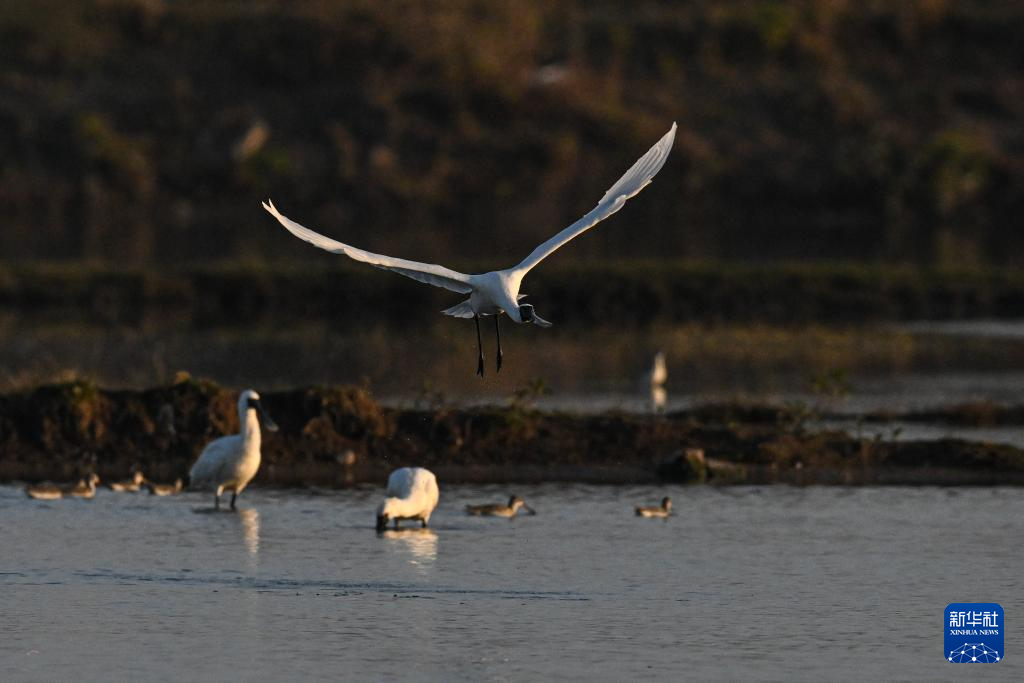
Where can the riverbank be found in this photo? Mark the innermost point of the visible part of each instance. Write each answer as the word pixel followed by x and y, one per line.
pixel 340 436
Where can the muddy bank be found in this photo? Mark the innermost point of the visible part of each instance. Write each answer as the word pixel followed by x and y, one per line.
pixel 339 436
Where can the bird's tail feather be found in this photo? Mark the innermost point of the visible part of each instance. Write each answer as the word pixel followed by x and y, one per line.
pixel 463 310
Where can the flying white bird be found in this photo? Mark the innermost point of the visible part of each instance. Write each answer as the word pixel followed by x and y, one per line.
pixel 497 292
pixel 230 462
pixel 412 494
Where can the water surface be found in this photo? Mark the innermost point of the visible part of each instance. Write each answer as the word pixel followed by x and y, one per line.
pixel 745 583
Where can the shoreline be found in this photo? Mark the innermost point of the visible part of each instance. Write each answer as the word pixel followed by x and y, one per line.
pixel 339 436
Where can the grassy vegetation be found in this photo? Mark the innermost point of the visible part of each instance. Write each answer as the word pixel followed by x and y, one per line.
pixel 340 436
pixel 147 131
pixel 619 294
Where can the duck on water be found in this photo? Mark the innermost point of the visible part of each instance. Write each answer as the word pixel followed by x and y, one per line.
pixel 515 504
pixel 85 488
pixel 663 511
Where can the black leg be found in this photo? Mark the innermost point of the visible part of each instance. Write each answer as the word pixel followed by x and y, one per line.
pixel 497 333
pixel 479 348
pixel 423 524
pixel 216 501
pixel 396 523
pixel 233 496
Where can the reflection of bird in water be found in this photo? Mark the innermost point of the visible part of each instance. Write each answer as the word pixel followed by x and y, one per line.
pixel 85 488
pixel 129 485
pixel 656 378
pixel 230 462
pixel 411 494
pixel 420 542
pixel 515 503
pixel 250 519
pixel 664 511
pixel 497 292
pixel 165 489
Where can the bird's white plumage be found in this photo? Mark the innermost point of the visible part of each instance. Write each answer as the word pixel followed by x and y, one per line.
pixel 629 185
pixel 430 273
pixel 412 493
pixel 659 370
pixel 498 291
pixel 230 462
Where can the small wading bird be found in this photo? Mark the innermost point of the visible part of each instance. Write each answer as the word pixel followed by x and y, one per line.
pixel 85 488
pixel 129 485
pixel 165 489
pixel 411 494
pixel 230 462
pixel 515 503
pixel 664 511
pixel 497 292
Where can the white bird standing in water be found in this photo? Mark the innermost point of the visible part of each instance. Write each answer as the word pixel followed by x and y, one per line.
pixel 411 494
pixel 230 462
pixel 497 292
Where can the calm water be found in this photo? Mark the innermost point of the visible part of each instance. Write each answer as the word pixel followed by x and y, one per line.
pixel 772 583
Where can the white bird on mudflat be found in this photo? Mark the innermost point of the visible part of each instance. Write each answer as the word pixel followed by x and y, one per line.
pixel 411 494
pixel 230 462
pixel 497 292
pixel 656 378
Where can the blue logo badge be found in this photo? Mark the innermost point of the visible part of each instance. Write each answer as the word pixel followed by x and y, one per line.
pixel 974 633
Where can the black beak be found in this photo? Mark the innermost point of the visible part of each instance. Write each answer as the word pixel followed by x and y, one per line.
pixel 265 420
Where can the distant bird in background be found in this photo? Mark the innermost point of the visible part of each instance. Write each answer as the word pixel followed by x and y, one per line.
pixel 412 493
pixel 515 503
pixel 656 378
pixel 230 462
pixel 497 292
pixel 664 511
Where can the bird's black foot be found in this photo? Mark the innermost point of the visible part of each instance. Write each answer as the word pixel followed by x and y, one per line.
pixel 233 496
pixel 480 366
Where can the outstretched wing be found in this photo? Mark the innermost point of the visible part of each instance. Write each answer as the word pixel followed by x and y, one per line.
pixel 432 274
pixel 629 185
